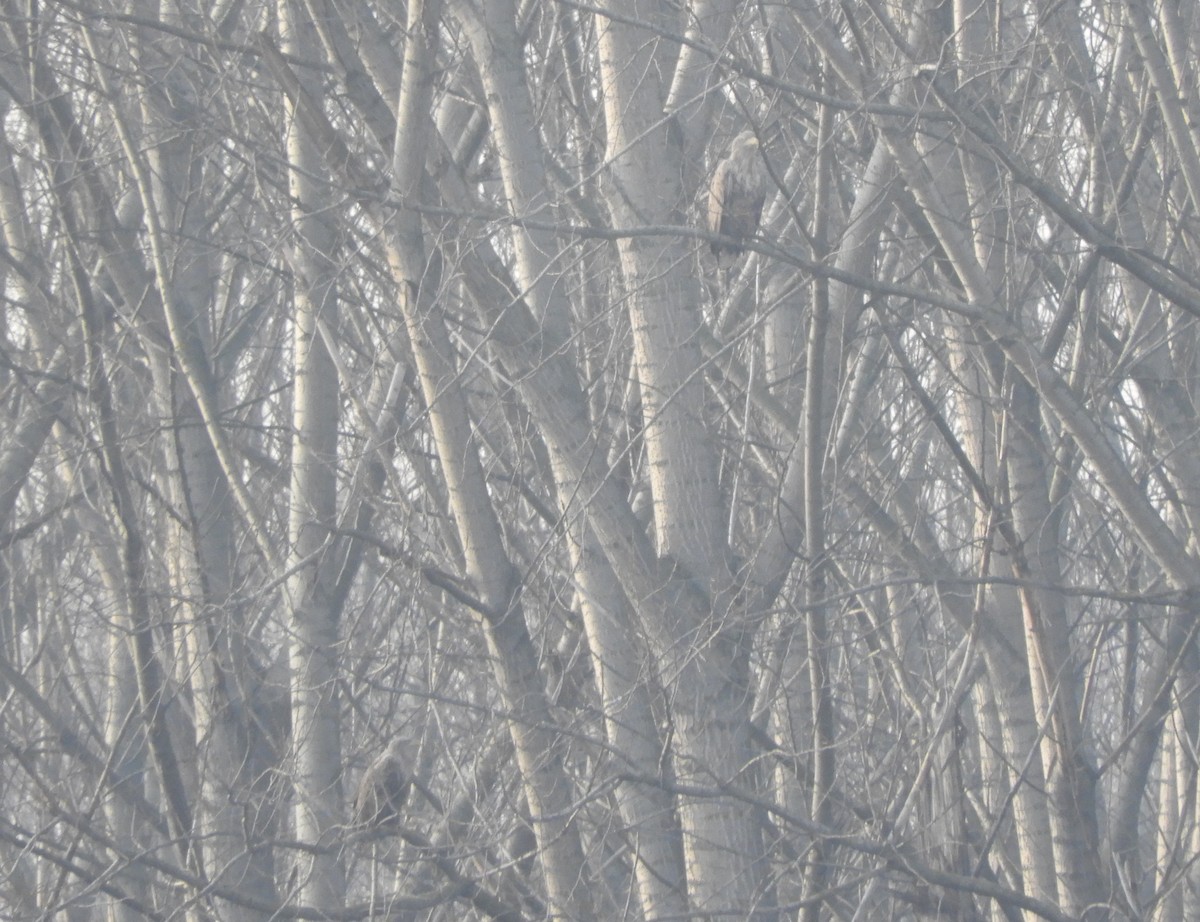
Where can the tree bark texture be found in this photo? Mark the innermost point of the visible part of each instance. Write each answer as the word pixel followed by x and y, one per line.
pixel 366 385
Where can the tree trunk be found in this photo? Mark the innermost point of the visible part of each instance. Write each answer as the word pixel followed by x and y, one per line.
pixel 312 509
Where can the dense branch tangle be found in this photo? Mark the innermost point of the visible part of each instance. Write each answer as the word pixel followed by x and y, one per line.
pixel 369 387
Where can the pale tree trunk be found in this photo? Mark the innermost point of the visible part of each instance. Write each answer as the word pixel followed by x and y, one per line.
pixel 981 471
pixel 86 212
pixel 856 249
pixel 1166 827
pixel 1177 823
pixel 224 850
pixel 312 516
pixel 1155 369
pixel 1004 776
pixel 124 733
pixel 1020 769
pixel 1010 676
pixel 538 747
pixel 620 663
pixel 493 579
pixel 150 675
pixel 126 742
pixel 1171 78
pixel 973 254
pixel 1145 521
pixel 553 397
pixel 1070 782
pixel 1189 884
pixel 706 662
pixel 129 765
pixel 1019 727
pixel 619 660
pixel 691 98
pixel 1028 544
pixel 231 818
pixel 816 432
pixel 238 761
pixel 1169 406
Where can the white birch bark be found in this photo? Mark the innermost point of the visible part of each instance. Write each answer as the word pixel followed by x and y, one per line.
pixel 232 763
pixel 618 658
pixel 817 402
pixel 539 751
pixel 1002 453
pixel 1069 782
pixel 703 662
pixel 312 516
pixel 1166 830
pixel 27 442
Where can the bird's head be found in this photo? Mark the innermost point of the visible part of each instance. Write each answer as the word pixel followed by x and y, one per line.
pixel 747 140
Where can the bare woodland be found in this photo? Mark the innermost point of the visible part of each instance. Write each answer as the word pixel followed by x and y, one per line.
pixel 403 516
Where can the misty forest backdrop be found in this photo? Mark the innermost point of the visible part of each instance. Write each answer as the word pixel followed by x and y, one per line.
pixel 366 379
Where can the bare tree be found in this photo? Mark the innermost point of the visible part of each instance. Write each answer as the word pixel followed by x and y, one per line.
pixel 369 385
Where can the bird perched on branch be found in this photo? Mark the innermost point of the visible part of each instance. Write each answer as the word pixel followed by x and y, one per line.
pixel 735 197
pixel 382 792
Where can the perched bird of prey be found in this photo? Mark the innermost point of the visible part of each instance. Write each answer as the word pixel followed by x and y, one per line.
pixel 735 197
pixel 382 792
